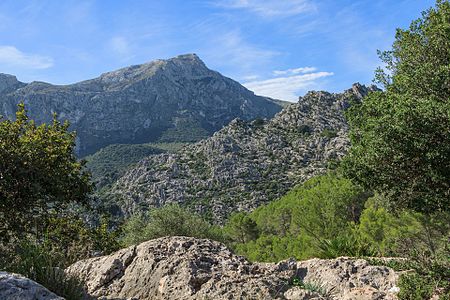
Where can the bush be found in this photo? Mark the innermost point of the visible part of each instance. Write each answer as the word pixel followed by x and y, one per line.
pixel 414 287
pixel 74 240
pixel 304 129
pixel 383 233
pixel 40 263
pixel 258 122
pixel 329 133
pixel 240 228
pixel 169 220
pixel 61 241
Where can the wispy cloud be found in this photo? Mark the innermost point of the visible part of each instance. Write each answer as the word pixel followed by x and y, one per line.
pixel 12 57
pixel 120 45
pixel 270 8
pixel 231 49
pixel 302 70
pixel 288 87
pixel 250 77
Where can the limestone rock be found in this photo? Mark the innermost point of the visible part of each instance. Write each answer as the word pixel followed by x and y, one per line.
pixel 245 164
pixel 178 98
pixel 17 287
pixel 189 268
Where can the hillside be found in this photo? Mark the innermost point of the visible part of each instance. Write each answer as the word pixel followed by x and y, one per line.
pixel 111 162
pixel 245 164
pixel 174 100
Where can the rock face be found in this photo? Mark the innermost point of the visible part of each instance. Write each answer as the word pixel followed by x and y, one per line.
pixel 245 164
pixel 17 287
pixel 176 99
pixel 188 268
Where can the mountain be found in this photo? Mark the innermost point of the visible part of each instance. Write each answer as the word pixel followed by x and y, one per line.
pixel 245 164
pixel 178 99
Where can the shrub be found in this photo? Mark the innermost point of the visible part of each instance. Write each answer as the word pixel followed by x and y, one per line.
pixel 60 242
pixel 36 261
pixel 383 232
pixel 258 122
pixel 169 220
pixel 304 129
pixel 414 287
pixel 329 133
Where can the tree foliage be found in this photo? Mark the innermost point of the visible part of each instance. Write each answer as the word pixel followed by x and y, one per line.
pixel 401 136
pixel 302 224
pixel 39 173
pixel 169 220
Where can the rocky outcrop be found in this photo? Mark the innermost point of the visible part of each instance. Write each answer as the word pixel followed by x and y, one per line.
pixel 189 268
pixel 165 100
pixel 17 287
pixel 245 164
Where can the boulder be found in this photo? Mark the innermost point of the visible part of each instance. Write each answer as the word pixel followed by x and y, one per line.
pixel 17 287
pixel 189 268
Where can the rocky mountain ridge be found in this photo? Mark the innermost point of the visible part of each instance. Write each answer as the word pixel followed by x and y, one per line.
pixel 177 99
pixel 245 164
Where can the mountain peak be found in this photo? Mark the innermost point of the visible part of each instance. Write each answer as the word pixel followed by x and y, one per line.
pixel 188 56
pixel 361 90
pixel 149 69
pixel 8 81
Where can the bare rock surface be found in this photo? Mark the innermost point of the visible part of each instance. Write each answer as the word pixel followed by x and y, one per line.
pixel 189 268
pixel 17 287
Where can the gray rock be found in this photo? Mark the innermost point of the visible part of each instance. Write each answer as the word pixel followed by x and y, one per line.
pixel 17 287
pixel 245 164
pixel 178 98
pixel 189 268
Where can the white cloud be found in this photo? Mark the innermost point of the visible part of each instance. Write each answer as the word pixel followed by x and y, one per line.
pixel 120 46
pixel 250 77
pixel 231 49
pixel 13 57
pixel 295 71
pixel 286 88
pixel 270 8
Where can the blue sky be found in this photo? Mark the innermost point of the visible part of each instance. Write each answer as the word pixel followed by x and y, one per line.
pixel 277 48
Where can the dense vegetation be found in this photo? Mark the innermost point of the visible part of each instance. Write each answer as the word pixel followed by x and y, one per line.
pixel 43 191
pixel 110 163
pixel 39 173
pixel 400 137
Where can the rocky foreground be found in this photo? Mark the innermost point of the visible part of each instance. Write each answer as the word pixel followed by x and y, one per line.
pixel 189 268
pixel 17 287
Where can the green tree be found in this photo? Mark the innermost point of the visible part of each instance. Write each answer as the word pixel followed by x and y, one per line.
pixel 169 220
pixel 314 219
pixel 401 136
pixel 385 233
pixel 241 228
pixel 39 173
